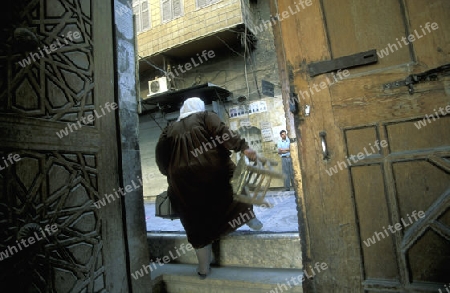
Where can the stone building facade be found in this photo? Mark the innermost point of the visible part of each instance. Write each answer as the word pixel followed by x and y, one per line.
pixel 228 43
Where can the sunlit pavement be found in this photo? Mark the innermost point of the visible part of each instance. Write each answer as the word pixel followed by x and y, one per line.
pixel 282 217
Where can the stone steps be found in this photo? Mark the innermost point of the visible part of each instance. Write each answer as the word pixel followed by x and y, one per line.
pixel 245 261
pixel 239 249
pixel 182 278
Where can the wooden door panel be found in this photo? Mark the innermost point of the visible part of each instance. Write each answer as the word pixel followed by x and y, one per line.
pixel 356 23
pixel 375 104
pixel 50 188
pixel 434 136
pixel 58 179
pixel 433 49
pixel 343 209
pixel 368 195
pixel 408 175
pixel 433 269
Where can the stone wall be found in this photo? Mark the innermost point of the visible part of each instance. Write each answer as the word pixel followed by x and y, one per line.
pixel 134 216
pixel 193 24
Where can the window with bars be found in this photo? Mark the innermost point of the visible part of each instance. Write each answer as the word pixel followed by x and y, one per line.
pixel 171 9
pixel 203 3
pixel 142 15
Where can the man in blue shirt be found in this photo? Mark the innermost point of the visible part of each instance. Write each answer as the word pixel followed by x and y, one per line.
pixel 286 162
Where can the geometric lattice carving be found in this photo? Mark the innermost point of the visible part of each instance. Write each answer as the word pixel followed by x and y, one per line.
pixel 53 188
pixel 405 176
pixel 58 85
pixel 56 181
pixel 429 258
pixel 444 219
pixel 425 179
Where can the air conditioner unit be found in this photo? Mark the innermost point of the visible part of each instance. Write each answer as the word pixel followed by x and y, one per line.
pixel 159 85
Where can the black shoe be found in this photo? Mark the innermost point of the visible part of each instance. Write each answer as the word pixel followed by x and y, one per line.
pixel 203 276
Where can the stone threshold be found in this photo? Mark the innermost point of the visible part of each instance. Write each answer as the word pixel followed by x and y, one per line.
pixel 183 278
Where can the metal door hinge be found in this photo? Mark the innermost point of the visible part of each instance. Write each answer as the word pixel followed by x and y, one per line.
pixel 412 79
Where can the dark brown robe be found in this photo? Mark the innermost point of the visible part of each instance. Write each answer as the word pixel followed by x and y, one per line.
pixel 194 153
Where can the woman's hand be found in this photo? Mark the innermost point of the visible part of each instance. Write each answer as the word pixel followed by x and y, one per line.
pixel 250 154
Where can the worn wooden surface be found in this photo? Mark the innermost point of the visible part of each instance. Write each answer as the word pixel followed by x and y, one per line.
pixel 340 211
pixel 58 179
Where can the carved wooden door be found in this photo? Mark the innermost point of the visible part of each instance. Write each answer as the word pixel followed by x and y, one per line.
pixel 375 168
pixel 57 122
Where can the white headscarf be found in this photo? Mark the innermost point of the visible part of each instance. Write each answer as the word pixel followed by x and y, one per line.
pixel 191 106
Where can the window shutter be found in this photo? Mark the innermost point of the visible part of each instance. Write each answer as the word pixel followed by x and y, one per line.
pixel 177 9
pixel 166 10
pixel 137 17
pixel 145 15
pixel 201 3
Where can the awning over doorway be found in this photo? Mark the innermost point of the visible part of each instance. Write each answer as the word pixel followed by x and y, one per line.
pixel 172 100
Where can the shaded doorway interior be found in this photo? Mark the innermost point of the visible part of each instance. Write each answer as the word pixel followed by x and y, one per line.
pixel 275 247
pixel 162 109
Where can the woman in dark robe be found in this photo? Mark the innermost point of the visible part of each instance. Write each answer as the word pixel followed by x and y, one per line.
pixel 194 154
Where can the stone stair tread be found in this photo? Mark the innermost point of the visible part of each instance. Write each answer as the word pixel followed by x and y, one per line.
pixel 229 279
pixel 256 234
pixel 258 250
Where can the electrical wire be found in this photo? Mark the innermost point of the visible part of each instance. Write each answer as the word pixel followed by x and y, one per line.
pixel 254 76
pixel 225 43
pixel 152 65
pixel 150 114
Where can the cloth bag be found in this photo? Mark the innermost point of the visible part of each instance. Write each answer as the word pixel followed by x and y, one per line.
pixel 163 207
